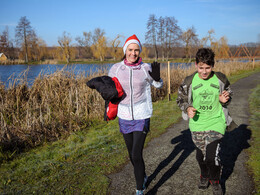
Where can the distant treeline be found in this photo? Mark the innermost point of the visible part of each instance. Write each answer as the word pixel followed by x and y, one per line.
pixel 164 39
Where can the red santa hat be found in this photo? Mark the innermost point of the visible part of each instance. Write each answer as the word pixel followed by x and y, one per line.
pixel 132 39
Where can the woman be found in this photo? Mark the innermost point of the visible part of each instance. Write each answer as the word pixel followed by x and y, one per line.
pixel 135 110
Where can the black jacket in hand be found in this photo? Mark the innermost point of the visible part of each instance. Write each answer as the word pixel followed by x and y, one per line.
pixel 105 86
pixel 155 74
pixel 111 91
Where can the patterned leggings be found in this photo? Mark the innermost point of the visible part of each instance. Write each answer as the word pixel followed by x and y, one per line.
pixel 210 164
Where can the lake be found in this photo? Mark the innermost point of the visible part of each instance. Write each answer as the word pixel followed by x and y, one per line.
pixel 9 72
pixel 13 71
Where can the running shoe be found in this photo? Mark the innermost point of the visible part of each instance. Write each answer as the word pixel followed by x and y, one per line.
pixel 139 192
pixel 204 183
pixel 216 187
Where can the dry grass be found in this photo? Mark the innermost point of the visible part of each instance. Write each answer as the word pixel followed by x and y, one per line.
pixel 53 107
pixel 8 61
pixel 61 103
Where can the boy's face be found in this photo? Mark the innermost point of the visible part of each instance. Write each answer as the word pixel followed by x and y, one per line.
pixel 204 70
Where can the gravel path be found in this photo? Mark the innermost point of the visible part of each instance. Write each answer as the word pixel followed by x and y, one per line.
pixel 170 159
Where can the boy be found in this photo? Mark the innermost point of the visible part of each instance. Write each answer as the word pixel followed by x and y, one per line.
pixel 203 98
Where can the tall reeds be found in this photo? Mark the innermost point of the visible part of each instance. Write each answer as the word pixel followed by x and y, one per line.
pixel 54 106
pixel 61 103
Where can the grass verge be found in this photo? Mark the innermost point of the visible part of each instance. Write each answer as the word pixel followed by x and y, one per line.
pixel 81 163
pixel 254 155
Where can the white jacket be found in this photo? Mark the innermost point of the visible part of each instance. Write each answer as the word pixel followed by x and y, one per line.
pixel 136 82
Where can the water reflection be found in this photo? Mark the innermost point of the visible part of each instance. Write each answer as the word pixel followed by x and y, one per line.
pixel 30 72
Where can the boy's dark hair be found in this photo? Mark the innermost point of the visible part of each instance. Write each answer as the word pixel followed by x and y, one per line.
pixel 206 56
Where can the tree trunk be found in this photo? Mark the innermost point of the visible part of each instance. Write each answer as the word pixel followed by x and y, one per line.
pixel 156 52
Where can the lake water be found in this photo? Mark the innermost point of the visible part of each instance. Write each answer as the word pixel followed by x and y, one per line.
pixel 13 71
pixel 9 72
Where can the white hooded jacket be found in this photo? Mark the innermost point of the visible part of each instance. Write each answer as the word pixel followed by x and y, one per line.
pixel 136 82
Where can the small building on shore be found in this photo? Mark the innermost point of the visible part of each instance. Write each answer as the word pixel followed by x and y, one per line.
pixel 3 57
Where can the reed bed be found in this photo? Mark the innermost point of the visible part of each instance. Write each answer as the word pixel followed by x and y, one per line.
pixel 61 103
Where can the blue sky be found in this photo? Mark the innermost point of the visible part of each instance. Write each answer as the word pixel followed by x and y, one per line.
pixel 237 20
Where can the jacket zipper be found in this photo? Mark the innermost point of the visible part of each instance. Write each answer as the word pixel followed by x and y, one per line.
pixel 131 87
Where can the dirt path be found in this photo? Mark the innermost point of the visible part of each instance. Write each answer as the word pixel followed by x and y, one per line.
pixel 170 159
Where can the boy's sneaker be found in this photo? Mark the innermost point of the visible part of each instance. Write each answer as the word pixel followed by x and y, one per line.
pixel 204 183
pixel 139 192
pixel 216 188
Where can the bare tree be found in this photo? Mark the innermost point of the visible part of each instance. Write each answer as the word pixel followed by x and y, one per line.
pixel 99 46
pixel 23 32
pixel 221 48
pixel 85 42
pixel 173 34
pixel 33 47
pixel 168 35
pixel 94 43
pixel 42 49
pixel 97 34
pixel 37 48
pixel 4 41
pixel 65 46
pixel 115 51
pixel 209 38
pixel 190 39
pixel 6 45
pixel 161 34
pixel 151 34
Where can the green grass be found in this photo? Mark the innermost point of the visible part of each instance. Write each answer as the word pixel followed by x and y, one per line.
pixel 242 74
pixel 254 159
pixel 80 164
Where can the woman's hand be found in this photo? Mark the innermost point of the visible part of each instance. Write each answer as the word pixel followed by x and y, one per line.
pixel 155 74
pixel 191 112
pixel 224 97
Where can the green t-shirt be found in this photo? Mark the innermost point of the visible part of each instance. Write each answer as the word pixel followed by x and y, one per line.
pixel 209 114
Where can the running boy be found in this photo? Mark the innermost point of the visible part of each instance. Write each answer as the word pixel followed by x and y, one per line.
pixel 203 98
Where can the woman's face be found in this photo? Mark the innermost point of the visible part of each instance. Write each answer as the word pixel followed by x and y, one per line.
pixel 132 52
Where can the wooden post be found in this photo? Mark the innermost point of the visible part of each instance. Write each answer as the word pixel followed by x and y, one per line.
pixel 169 82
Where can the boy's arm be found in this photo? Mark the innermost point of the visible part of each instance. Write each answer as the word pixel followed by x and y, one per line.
pixel 224 97
pixel 224 86
pixel 182 99
pixel 227 88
